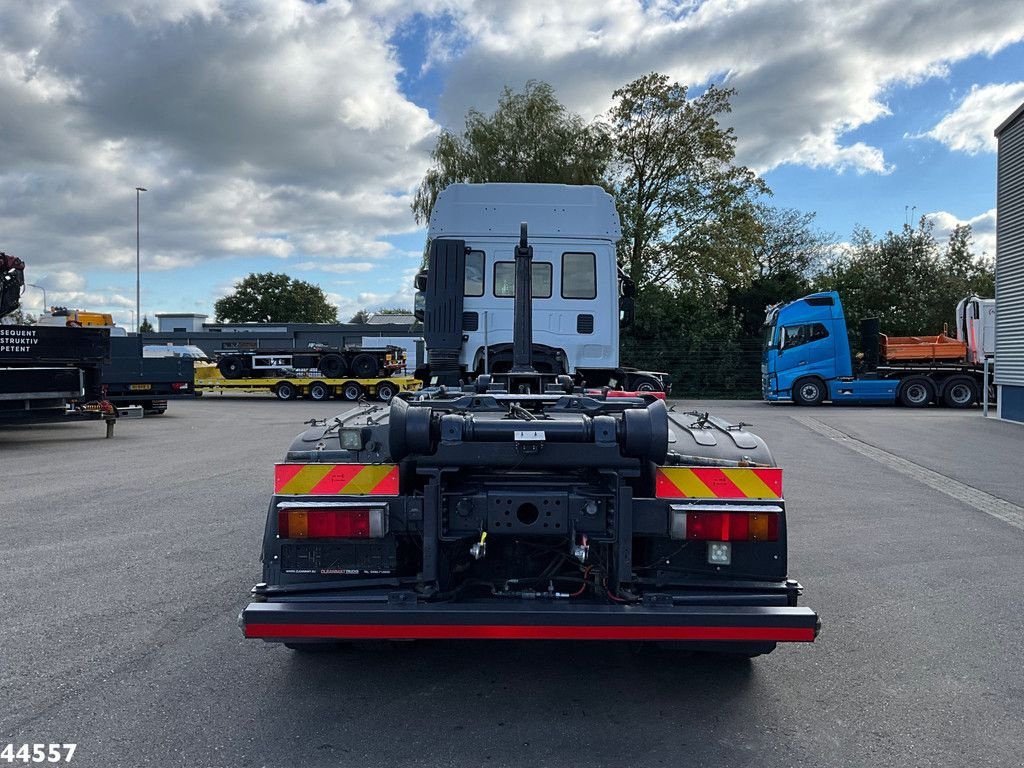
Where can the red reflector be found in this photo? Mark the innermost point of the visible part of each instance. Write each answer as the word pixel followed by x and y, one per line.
pixel 324 523
pixel 177 386
pixel 732 526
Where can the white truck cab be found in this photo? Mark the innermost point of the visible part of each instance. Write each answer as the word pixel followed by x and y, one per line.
pixel 578 290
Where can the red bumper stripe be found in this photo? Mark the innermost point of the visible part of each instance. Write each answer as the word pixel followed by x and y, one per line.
pixel 524 632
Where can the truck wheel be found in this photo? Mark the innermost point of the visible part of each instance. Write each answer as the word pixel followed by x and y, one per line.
pixel 333 366
pixel 285 391
pixel 352 391
pixel 646 384
pixel 386 390
pixel 809 392
pixel 917 392
pixel 364 366
pixel 230 367
pixel 319 391
pixel 960 392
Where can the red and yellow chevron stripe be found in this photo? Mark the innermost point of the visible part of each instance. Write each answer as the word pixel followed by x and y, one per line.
pixel 718 483
pixel 337 479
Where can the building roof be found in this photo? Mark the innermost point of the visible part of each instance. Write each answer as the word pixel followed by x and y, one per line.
pixel 378 318
pixel 179 314
pixel 1010 120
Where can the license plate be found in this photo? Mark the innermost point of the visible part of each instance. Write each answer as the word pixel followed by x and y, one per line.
pixel 139 387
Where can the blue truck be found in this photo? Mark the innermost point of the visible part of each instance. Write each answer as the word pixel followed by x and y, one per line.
pixel 807 357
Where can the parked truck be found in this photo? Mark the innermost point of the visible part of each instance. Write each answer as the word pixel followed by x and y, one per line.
pixel 807 357
pixel 580 297
pixel 135 377
pixel 485 512
pixel 48 374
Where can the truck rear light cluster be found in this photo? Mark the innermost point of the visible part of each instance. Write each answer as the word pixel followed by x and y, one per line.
pixel 331 521
pixel 180 386
pixel 747 524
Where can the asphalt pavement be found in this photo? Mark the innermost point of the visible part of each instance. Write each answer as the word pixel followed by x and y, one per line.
pixel 126 562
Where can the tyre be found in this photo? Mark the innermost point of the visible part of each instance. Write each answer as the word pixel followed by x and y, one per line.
pixel 230 367
pixel 352 391
pixel 646 384
pixel 364 366
pixel 960 392
pixel 285 391
pixel 386 390
pixel 809 392
pixel 333 366
pixel 319 391
pixel 917 392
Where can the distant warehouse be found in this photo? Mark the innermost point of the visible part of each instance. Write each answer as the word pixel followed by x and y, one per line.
pixel 1010 267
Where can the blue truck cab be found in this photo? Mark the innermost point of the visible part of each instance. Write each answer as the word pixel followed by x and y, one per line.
pixel 807 360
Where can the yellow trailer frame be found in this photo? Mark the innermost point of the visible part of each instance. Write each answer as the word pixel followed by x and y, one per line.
pixel 209 379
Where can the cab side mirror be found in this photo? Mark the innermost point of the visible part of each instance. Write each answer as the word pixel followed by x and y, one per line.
pixel 627 311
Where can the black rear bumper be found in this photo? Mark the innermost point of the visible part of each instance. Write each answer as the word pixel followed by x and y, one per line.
pixel 287 621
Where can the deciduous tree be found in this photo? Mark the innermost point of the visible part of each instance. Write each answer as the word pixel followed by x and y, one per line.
pixel 530 137
pixel 268 297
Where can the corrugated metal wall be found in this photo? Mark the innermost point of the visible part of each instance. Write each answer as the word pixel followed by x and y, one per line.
pixel 1010 256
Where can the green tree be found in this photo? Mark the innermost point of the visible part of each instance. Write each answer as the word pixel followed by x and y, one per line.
pixel 146 326
pixel 20 317
pixel 531 137
pixel 268 297
pixel 788 253
pixel 360 317
pixel 686 207
pixel 908 279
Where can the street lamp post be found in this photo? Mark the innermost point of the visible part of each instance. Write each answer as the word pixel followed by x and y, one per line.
pixel 134 326
pixel 33 285
pixel 138 271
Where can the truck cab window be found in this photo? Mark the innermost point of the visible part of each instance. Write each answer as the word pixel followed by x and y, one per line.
pixel 474 283
pixel 505 279
pixel 796 335
pixel 579 276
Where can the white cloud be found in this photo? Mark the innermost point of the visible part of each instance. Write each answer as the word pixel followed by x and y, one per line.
pixel 338 267
pixel 970 127
pixel 983 229
pixel 259 127
pixel 807 74
pixel 279 128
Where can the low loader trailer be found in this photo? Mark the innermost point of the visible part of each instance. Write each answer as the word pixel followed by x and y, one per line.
pixel 296 384
pixel 473 512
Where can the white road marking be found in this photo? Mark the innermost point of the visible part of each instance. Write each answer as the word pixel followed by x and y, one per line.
pixel 1001 509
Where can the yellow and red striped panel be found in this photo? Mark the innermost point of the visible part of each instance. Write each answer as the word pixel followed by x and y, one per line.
pixel 337 479
pixel 718 483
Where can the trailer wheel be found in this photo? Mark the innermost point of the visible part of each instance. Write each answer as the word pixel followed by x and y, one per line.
pixel 230 367
pixel 917 392
pixel 646 384
pixel 319 391
pixel 285 390
pixel 809 392
pixel 960 392
pixel 333 366
pixel 364 366
pixel 386 390
pixel 352 390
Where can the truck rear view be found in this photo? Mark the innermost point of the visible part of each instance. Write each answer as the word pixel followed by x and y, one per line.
pixel 473 512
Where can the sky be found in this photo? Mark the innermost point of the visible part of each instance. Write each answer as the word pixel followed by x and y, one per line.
pixel 290 136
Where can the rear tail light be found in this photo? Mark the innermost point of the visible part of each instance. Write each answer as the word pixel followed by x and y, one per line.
pixel 331 521
pixel 748 524
pixel 179 386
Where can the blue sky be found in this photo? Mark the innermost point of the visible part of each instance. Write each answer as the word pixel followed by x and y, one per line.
pixel 281 135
